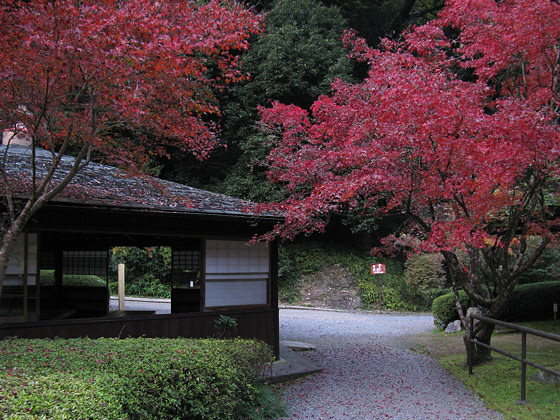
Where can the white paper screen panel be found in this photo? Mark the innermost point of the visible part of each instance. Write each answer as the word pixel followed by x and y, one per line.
pixel 231 257
pixel 16 269
pixel 235 293
pixel 236 274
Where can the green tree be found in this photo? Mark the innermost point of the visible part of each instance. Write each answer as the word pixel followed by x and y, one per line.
pixel 295 62
pixel 376 19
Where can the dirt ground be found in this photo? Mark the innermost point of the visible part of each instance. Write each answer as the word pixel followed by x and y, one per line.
pixel 333 287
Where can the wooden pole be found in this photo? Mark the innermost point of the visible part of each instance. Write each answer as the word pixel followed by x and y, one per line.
pixel 379 291
pixel 121 286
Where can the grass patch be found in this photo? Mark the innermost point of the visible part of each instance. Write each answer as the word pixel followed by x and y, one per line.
pixel 498 382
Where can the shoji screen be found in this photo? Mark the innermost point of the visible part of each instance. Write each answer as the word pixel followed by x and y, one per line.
pixel 236 274
pixel 19 293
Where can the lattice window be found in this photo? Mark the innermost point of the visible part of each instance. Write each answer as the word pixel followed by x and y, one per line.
pixel 186 260
pixel 85 262
pixel 185 268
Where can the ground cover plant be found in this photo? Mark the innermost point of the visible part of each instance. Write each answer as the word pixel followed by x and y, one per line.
pixel 134 378
pixel 308 257
pixel 498 381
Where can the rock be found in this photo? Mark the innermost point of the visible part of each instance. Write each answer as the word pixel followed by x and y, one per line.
pixel 546 377
pixel 298 346
pixel 454 327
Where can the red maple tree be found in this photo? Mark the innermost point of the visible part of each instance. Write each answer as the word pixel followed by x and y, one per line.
pixel 456 127
pixel 118 80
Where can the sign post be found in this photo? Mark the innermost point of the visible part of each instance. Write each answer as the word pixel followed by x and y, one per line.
pixel 378 269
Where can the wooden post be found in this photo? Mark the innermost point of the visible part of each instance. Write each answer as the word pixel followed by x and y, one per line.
pixel 121 286
pixel 58 267
pixel 379 291
pixel 523 367
pixel 470 349
pixel 378 269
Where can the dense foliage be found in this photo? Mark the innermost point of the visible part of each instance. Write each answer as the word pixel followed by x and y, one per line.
pixel 528 302
pixel 147 270
pixel 533 301
pixel 133 378
pixel 425 277
pixel 295 60
pixel 456 127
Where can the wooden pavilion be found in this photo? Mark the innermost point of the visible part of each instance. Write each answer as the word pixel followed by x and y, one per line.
pixel 213 272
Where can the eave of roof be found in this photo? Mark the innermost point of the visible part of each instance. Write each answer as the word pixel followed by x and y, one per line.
pixel 104 186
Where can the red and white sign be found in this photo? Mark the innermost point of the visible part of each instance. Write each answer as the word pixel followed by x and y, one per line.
pixel 378 269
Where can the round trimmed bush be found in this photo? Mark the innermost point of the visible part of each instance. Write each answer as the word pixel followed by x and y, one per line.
pixel 444 308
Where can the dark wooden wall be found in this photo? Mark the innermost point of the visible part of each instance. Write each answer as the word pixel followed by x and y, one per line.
pixel 252 323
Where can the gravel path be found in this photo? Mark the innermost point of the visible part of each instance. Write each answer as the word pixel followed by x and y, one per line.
pixel 367 374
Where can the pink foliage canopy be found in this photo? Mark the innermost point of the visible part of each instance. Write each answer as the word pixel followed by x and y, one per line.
pixel 453 153
pixel 83 70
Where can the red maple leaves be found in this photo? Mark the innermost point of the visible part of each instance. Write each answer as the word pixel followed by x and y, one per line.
pixel 88 71
pixel 456 126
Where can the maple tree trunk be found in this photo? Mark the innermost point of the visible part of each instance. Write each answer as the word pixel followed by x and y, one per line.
pixel 8 241
pixel 480 354
pixel 10 236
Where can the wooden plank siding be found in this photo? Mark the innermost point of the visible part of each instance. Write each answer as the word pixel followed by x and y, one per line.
pixel 252 323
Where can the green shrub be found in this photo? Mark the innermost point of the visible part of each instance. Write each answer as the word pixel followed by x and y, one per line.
pixel 56 395
pixel 528 302
pixel 47 279
pixel 131 378
pixel 424 275
pixel 148 286
pixel 533 301
pixel 444 308
pixel 308 257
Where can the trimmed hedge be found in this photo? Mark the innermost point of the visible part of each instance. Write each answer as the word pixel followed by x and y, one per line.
pixel 533 301
pixel 131 378
pixel 528 302
pixel 47 279
pixel 444 308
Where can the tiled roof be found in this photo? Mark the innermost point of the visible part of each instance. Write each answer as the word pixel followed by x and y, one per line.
pixel 106 186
